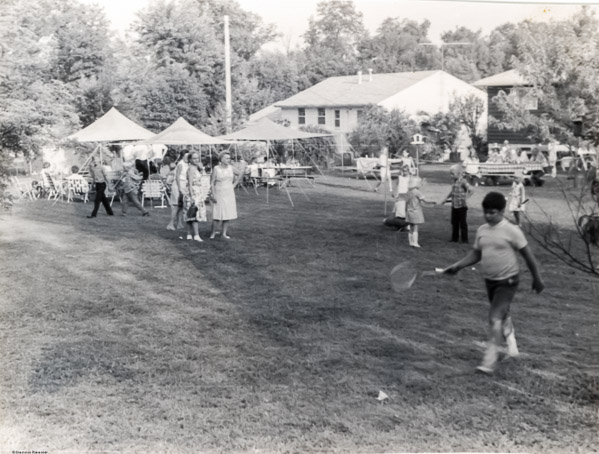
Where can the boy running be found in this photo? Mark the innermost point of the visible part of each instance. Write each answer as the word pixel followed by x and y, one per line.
pixel 495 247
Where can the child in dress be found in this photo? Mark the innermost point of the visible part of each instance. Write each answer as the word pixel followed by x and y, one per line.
pixel 517 198
pixel 414 215
pixel 398 220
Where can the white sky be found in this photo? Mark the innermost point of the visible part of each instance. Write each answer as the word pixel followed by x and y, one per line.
pixel 291 16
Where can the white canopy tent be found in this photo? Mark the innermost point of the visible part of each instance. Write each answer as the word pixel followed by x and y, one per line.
pixel 113 126
pixel 266 130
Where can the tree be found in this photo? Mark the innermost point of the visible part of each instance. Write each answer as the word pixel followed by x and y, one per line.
pixel 380 127
pixel 190 33
pixel 467 62
pixel 503 45
pixel 158 96
pixel 278 75
pixel 332 40
pixel 396 47
pixel 441 130
pixel 560 60
pixel 35 109
pixel 468 110
pixel 248 33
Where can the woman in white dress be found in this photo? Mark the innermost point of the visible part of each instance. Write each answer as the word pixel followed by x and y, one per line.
pixel 223 183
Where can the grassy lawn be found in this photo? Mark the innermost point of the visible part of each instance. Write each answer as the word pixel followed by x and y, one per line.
pixel 118 336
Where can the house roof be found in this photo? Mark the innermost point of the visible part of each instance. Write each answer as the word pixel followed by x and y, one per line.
pixel 347 91
pixel 266 129
pixel 182 133
pixel 271 112
pixel 113 126
pixel 509 78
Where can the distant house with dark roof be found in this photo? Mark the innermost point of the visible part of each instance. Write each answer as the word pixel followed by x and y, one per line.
pixel 337 103
pixel 508 82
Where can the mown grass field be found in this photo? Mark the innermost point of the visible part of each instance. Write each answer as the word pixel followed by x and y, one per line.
pixel 117 336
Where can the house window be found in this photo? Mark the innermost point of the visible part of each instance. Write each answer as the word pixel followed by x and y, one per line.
pixel 337 118
pixel 360 114
pixel 321 117
pixel 301 116
pixel 526 98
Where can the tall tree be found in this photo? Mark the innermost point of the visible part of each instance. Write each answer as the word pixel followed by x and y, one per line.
pixel 396 47
pixel 467 60
pixel 332 40
pixel 561 62
pixel 35 108
pixel 278 75
pixel 248 31
pixel 190 33
pixel 158 96
pixel 503 45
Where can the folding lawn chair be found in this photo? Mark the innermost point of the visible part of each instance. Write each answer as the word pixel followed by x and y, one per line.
pixel 77 186
pixel 23 191
pixel 48 187
pixel 154 189
pixel 59 187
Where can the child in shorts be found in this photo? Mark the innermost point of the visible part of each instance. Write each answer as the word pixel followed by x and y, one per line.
pixel 495 247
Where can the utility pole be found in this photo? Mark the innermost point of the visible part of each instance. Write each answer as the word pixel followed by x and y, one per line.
pixel 442 47
pixel 228 103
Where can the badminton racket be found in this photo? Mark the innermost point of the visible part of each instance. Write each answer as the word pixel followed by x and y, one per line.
pixel 404 275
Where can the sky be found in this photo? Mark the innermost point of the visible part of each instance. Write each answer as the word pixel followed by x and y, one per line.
pixel 291 16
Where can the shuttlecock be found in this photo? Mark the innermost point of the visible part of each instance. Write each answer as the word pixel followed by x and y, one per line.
pixel 382 396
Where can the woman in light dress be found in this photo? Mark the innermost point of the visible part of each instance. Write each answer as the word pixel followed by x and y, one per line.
pixel 223 183
pixel 194 202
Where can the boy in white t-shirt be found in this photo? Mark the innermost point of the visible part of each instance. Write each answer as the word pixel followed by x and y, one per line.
pixel 495 247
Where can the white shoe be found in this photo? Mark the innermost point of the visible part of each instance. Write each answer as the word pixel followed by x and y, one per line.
pixel 415 245
pixel 197 238
pixel 489 360
pixel 189 237
pixel 512 346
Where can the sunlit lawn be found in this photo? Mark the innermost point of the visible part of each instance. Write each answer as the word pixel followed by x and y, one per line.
pixel 116 335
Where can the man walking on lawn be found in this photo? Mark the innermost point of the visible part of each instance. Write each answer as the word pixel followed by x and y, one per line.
pixel 101 183
pixel 458 196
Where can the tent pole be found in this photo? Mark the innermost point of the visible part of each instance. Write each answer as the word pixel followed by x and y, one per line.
pixel 89 158
pixel 311 159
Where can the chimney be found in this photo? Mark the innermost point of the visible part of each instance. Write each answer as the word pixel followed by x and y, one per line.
pixel 369 74
pixel 359 77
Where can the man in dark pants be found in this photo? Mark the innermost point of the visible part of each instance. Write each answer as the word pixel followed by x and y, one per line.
pixel 458 196
pixel 101 182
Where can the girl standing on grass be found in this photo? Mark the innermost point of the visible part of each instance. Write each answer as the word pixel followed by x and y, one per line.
pixel 414 215
pixel 194 201
pixel 517 197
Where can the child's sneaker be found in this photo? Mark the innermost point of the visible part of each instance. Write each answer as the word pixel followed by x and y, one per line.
pixel 512 346
pixel 489 360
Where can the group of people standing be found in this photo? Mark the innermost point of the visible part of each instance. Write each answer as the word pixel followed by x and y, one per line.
pixel 496 247
pixel 408 213
pixel 192 188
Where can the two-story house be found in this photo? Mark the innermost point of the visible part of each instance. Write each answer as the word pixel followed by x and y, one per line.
pixel 508 82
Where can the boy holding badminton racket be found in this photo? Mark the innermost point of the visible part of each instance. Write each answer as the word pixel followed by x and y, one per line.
pixel 495 247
